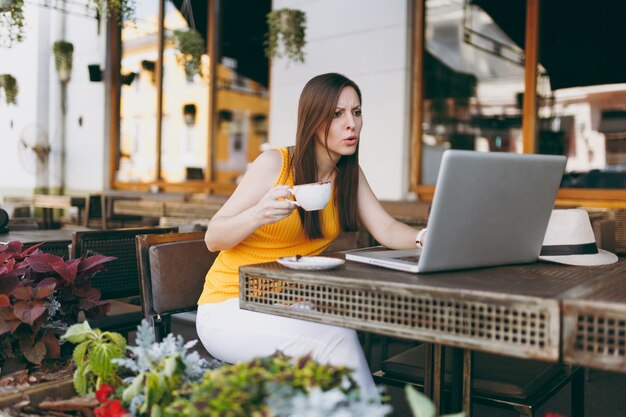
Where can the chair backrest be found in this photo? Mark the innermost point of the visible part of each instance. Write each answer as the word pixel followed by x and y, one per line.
pixel 172 271
pixel 121 279
pixel 59 247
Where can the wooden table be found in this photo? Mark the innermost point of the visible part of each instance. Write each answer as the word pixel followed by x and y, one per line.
pixel 594 323
pixel 509 310
pixel 48 203
pixel 56 240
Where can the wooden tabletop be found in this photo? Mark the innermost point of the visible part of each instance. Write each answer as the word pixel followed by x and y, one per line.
pixel 37 236
pixel 512 310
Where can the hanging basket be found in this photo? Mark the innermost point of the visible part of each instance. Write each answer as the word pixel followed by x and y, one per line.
pixel 63 57
pixel 124 10
pixel 191 47
pixel 9 84
pixel 286 34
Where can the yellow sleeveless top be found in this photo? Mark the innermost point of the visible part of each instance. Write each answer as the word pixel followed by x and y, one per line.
pixel 268 243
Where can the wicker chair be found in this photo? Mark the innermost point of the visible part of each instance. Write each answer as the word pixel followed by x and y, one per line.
pixel 172 270
pixel 59 247
pixel 119 284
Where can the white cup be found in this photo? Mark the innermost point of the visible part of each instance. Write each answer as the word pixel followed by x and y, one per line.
pixel 313 196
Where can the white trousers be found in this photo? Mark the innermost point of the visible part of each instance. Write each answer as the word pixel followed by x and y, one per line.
pixel 234 335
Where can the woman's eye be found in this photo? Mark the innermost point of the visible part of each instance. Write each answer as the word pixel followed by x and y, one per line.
pixel 356 112
pixel 337 114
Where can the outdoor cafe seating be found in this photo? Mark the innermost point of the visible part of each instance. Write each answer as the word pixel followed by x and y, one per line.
pixel 172 268
pixel 119 284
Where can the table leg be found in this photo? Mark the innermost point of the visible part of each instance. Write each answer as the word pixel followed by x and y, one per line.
pixel 47 217
pixel 428 370
pixel 467 382
pixel 434 374
pixel 439 367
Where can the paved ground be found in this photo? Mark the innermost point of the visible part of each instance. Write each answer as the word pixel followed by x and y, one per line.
pixel 605 393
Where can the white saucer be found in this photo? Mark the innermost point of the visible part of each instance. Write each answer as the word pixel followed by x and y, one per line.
pixel 310 263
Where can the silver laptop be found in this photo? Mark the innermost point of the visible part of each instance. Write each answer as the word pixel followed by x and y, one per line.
pixel 488 209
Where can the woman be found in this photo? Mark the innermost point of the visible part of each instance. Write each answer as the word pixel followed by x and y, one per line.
pixel 258 223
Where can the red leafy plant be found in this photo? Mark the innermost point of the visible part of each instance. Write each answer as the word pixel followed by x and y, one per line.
pixel 109 407
pixel 40 296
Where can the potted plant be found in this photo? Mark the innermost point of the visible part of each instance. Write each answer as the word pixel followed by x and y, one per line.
pixel 167 378
pixel 286 34
pixel 11 21
pixel 152 370
pixel 93 356
pixel 191 47
pixel 123 9
pixel 9 84
pixel 63 55
pixel 40 295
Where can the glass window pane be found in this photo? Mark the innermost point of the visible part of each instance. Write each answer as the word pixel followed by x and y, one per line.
pixel 242 97
pixel 588 125
pixel 185 123
pixel 138 102
pixel 473 84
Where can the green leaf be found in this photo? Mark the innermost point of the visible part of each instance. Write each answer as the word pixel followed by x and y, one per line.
pixel 171 365
pixel 154 391
pixel 80 352
pixel 461 414
pixel 156 411
pixel 78 333
pixel 134 389
pixel 100 357
pixel 420 405
pixel 117 339
pixel 80 379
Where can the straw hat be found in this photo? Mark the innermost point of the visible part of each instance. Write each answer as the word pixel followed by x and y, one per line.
pixel 570 240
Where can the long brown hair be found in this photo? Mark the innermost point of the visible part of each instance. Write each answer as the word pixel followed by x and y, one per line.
pixel 316 108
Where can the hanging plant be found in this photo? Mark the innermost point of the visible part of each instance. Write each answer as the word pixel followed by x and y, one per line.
pixel 124 9
pixel 286 34
pixel 9 84
pixel 11 21
pixel 63 55
pixel 191 47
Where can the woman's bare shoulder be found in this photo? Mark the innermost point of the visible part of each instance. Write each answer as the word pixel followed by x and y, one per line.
pixel 268 165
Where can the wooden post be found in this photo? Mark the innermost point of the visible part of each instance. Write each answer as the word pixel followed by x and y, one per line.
pixel 213 51
pixel 417 91
pixel 159 86
pixel 531 53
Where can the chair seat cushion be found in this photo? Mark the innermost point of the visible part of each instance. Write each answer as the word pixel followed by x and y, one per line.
pixel 493 375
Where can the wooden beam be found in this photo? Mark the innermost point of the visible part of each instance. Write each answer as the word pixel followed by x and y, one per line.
pixel 159 86
pixel 213 51
pixel 416 108
pixel 113 84
pixel 531 53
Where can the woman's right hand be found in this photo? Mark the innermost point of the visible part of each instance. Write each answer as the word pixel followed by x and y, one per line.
pixel 270 209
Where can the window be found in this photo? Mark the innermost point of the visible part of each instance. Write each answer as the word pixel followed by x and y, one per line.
pixel 185 130
pixel 474 74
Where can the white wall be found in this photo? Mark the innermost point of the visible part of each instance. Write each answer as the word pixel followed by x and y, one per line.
pixel 85 145
pixel 366 40
pixel 21 61
pixel 32 63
